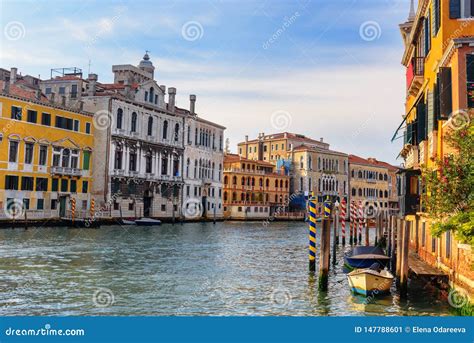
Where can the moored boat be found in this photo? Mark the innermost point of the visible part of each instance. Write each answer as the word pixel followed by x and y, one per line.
pixel 370 281
pixel 147 222
pixel 365 256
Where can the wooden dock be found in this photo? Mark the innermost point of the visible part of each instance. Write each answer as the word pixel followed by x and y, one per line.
pixel 423 269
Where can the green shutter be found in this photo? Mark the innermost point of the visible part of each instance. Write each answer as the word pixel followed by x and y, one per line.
pixel 431 112
pixel 86 161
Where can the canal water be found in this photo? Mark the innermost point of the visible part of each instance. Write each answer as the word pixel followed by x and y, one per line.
pixel 230 268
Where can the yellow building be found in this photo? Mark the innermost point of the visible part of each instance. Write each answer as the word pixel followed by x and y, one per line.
pixel 45 155
pixel 253 189
pixel 439 61
pixel 373 183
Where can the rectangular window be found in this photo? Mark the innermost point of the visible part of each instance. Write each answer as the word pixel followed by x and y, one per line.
pixel 73 91
pixel 62 90
pixel 85 186
pixel 163 208
pixel 29 153
pixel 64 184
pixel 26 183
pixel 448 244
pixel 64 123
pixel 41 184
pixel 423 234
pixel 54 204
pixel 31 116
pixel 445 92
pixel 48 90
pixel 54 185
pixel 40 204
pixel 13 151
pixel 133 162
pixel 76 125
pixel 26 204
pixel 454 9
pixel 88 128
pixel 45 119
pixel 43 155
pixel 470 76
pixel 73 186
pixel 11 182
pixel 433 244
pixel 118 160
pixel 427 34
pixel 436 17
pixel 16 113
pixel 86 160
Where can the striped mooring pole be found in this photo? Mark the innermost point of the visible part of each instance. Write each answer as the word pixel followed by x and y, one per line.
pixel 312 234
pixel 327 208
pixel 73 209
pixel 343 220
pixel 92 209
pixel 352 223
pixel 361 220
pixel 324 256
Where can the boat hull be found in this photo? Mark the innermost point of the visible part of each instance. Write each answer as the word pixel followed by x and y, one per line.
pixel 369 282
pixel 355 262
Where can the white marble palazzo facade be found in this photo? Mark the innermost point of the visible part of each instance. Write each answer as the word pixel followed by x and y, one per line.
pixel 203 169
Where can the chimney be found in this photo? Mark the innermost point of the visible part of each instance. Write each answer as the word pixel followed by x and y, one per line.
pixel 127 87
pixel 81 106
pixel 321 140
pixel 51 97
pixel 171 98
pixel 163 88
pixel 38 94
pixel 13 73
pixel 285 135
pixel 63 101
pixel 192 105
pixel 6 89
pixel 92 78
pixel 246 138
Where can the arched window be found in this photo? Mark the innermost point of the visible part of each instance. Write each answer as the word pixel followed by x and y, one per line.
pixel 276 197
pixel 165 129
pixel 267 183
pixel 188 163
pixel 386 194
pixel 119 118
pixel 134 122
pixel 225 196
pixel 234 180
pixel 152 94
pixel 276 183
pixel 176 132
pixel 243 180
pixel 353 192
pixel 385 177
pixel 260 182
pixel 301 162
pixel 319 163
pixel 380 177
pixel 360 192
pixel 242 197
pixel 220 172
pixel 253 181
pixel 286 183
pixel 150 126
pixel 234 196
pixel 380 194
pixel 195 168
pixel 281 183
pixel 360 174
pixel 226 179
pixel 352 173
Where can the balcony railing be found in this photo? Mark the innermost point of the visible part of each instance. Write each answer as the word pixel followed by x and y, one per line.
pixel 414 74
pixel 66 171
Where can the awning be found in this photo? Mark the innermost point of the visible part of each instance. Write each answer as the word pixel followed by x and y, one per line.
pixel 394 137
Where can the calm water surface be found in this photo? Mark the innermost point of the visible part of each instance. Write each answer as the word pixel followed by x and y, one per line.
pixel 230 268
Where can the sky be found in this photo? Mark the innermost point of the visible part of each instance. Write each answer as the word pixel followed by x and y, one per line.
pixel 322 68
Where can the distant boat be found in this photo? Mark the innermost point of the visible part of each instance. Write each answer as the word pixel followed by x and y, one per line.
pixel 365 256
pixel 370 281
pixel 147 222
pixel 127 222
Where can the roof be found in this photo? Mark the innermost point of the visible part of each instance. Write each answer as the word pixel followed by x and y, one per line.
pixel 229 158
pixel 22 91
pixel 304 147
pixel 289 135
pixel 371 162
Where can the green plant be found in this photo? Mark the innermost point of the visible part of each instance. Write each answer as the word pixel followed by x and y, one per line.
pixel 448 187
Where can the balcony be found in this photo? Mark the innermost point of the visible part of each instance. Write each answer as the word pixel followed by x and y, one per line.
pixel 118 172
pixel 412 158
pixel 66 171
pixel 414 75
pixel 371 180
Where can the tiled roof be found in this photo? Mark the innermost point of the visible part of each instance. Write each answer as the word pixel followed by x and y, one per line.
pixel 229 158
pixel 370 162
pixel 23 92
pixel 304 147
pixel 289 135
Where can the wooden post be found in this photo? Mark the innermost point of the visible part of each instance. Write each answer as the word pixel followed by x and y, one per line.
pixel 343 221
pixel 400 223
pixel 367 232
pixel 324 254
pixel 404 259
pixel 417 235
pixel 393 260
pixel 336 227
pixel 351 222
pixel 26 220
pixel 312 234
pixel 361 220
pixel 389 236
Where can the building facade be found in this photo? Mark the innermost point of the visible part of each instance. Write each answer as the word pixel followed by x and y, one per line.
pixel 46 156
pixel 203 167
pixel 321 172
pixel 253 189
pixel 439 62
pixel 373 183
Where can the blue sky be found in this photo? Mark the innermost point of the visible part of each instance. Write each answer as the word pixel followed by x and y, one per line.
pixel 324 68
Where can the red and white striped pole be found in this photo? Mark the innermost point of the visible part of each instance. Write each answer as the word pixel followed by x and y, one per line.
pixel 352 222
pixel 361 220
pixel 343 220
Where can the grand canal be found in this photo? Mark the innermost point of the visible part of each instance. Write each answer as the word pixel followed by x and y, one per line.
pixel 230 268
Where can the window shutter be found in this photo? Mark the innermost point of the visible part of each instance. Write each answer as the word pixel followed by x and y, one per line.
pixel 421 121
pixel 470 68
pixel 433 19
pixel 454 9
pixel 427 35
pixel 445 92
pixel 430 112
